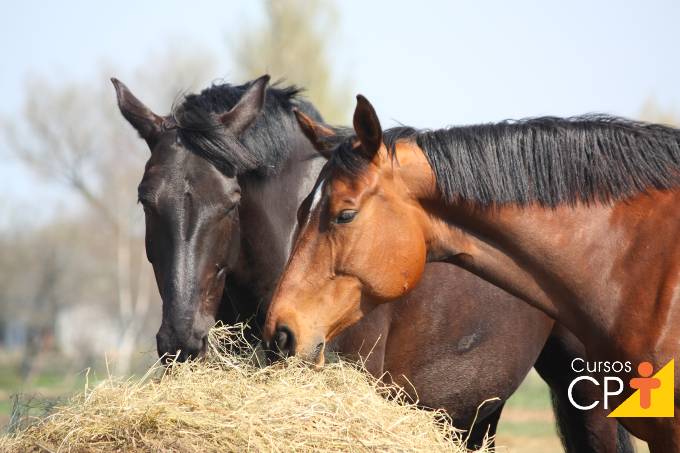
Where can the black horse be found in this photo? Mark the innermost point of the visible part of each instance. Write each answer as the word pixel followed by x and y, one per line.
pixel 228 169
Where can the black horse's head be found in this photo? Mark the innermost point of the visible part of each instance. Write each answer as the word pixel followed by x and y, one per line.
pixel 190 204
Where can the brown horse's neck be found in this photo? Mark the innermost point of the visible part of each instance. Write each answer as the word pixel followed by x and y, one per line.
pixel 579 264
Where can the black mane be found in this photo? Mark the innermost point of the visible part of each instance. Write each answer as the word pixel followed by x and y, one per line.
pixel 548 160
pixel 263 145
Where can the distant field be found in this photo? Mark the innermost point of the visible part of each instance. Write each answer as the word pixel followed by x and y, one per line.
pixel 49 384
pixel 53 380
pixel 527 424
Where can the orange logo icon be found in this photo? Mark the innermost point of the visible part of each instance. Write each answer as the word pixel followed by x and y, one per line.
pixel 645 384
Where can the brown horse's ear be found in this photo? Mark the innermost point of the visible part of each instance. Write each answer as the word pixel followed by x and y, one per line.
pixel 317 133
pixel 247 108
pixel 367 126
pixel 146 122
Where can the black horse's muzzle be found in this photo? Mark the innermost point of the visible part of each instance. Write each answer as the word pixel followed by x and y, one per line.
pixel 170 349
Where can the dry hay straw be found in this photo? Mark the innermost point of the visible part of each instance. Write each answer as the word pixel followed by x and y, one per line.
pixel 227 403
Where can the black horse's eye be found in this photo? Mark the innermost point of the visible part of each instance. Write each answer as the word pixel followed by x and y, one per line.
pixel 145 205
pixel 146 199
pixel 346 216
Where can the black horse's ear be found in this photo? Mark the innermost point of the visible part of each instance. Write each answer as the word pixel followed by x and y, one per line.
pixel 247 108
pixel 367 126
pixel 147 123
pixel 317 133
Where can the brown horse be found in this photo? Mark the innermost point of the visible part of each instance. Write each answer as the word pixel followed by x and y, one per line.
pixel 578 217
pixel 230 166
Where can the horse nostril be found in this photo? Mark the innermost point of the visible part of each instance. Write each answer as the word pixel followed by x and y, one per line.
pixel 281 339
pixel 284 341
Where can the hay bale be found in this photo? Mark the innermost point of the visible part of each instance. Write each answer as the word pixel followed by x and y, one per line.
pixel 226 403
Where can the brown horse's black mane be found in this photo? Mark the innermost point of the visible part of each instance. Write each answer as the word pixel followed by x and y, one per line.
pixel 548 160
pixel 266 141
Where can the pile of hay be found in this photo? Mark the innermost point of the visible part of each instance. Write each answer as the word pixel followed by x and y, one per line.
pixel 226 403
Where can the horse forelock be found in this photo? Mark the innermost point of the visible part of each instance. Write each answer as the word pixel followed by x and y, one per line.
pixel 263 146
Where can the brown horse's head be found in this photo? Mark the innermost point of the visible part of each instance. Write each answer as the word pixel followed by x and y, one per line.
pixel 347 258
pixel 192 224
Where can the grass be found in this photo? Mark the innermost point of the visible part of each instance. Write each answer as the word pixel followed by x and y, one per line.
pixel 56 379
pixel 527 424
pixel 9 376
pixel 532 394
pixel 5 407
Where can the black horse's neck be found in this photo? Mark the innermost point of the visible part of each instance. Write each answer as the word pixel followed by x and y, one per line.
pixel 267 214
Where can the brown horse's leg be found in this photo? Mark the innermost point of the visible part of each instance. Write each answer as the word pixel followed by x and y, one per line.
pixel 483 428
pixel 580 431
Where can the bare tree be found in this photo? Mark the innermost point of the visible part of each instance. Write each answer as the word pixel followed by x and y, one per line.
pixel 294 44
pixel 73 135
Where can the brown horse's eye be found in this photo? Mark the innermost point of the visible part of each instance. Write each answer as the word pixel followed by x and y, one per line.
pixel 346 216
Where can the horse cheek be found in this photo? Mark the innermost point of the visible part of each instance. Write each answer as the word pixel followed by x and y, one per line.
pixel 414 268
pixel 409 265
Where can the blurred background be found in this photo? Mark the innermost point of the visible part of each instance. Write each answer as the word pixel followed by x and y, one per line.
pixel 76 291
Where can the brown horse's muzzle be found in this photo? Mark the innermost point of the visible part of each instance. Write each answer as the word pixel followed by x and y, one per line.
pixel 284 343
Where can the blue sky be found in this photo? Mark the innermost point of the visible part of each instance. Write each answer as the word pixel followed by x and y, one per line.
pixel 422 63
